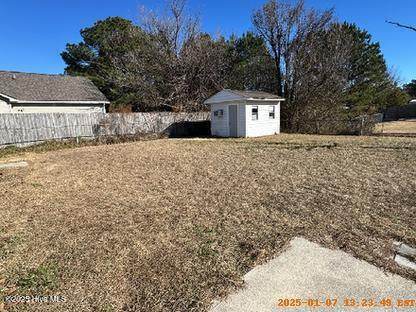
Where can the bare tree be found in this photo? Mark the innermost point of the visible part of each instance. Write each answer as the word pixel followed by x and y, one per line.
pixel 402 25
pixel 321 66
pixel 172 28
pixel 275 22
pixel 202 70
pixel 194 62
pixel 175 66
pixel 294 36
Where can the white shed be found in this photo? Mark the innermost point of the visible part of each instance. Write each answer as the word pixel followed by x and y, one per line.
pixel 237 113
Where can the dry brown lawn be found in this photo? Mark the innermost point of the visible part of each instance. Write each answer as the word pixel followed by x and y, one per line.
pixel 169 225
pixel 400 126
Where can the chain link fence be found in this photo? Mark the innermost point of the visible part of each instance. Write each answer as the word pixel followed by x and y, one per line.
pixel 362 125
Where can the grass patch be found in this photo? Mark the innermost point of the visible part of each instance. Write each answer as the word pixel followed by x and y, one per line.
pixel 54 145
pixel 41 147
pixel 39 279
pixel 8 244
pixel 108 308
pixel 400 126
pixel 169 225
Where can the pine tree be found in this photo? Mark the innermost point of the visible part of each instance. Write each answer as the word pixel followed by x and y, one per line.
pixel 370 86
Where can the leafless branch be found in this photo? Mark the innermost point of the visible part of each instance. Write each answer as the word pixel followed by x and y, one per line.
pixel 402 25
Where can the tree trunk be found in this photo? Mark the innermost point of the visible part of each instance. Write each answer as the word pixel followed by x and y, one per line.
pixel 276 55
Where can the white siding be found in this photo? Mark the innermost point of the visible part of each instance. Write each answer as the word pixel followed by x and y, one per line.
pixel 241 118
pixel 246 127
pixel 219 125
pixel 264 125
pixel 4 107
pixel 58 108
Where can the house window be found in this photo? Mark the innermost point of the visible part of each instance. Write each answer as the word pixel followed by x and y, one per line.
pixel 255 113
pixel 271 112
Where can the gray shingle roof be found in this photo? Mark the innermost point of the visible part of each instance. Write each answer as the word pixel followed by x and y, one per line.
pixel 42 87
pixel 255 94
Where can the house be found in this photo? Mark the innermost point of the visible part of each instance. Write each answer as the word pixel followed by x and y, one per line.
pixel 42 93
pixel 244 113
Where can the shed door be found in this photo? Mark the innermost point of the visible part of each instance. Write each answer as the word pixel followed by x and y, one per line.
pixel 232 120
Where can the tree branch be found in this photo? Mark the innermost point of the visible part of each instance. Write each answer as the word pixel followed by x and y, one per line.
pixel 401 25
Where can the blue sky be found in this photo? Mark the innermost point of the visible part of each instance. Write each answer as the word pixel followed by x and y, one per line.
pixel 34 32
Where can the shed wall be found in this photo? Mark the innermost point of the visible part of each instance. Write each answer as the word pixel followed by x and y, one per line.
pixel 219 125
pixel 241 120
pixel 264 125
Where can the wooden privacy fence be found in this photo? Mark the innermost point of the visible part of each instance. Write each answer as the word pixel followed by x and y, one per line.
pixel 30 128
pixel 400 112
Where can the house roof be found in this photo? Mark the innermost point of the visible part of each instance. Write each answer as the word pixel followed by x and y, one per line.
pixel 28 87
pixel 228 95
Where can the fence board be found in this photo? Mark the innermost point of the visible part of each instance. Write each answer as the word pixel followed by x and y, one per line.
pixel 18 128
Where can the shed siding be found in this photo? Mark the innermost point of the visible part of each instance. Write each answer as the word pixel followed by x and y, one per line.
pixel 246 127
pixel 58 108
pixel 4 107
pixel 219 125
pixel 241 120
pixel 264 125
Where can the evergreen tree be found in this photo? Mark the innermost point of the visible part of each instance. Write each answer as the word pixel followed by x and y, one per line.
pixel 105 41
pixel 370 86
pixel 410 88
pixel 251 64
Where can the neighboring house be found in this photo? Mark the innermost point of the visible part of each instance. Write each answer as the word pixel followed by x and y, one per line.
pixel 244 113
pixel 41 93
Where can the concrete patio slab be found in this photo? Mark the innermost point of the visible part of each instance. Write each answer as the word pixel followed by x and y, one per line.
pixel 311 278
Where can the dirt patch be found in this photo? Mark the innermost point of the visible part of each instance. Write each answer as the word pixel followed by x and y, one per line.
pixel 169 225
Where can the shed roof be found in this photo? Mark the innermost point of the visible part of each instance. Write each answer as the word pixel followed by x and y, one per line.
pixel 228 95
pixel 28 87
pixel 257 95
